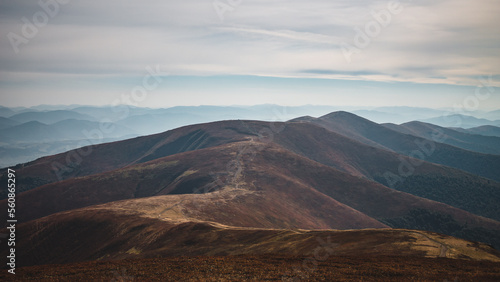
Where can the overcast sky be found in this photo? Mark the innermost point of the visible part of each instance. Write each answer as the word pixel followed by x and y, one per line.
pixel 226 52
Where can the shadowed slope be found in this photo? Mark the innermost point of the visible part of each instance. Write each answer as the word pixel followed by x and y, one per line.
pixel 373 134
pixel 467 141
pixel 428 180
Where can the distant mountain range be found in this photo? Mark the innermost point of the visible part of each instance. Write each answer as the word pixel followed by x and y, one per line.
pixel 339 171
pixel 50 117
pixel 6 123
pixel 68 129
pixel 461 121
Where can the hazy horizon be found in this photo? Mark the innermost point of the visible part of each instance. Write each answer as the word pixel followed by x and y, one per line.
pixel 69 106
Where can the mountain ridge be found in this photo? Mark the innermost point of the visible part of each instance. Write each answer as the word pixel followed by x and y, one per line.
pixel 291 190
pixel 379 136
pixel 464 140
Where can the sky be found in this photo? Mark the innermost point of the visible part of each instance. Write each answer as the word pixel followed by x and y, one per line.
pixel 164 53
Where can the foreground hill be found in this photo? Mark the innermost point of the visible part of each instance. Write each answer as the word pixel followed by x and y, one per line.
pixel 117 231
pixel 273 188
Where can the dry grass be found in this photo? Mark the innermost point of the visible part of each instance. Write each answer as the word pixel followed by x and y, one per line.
pixel 264 268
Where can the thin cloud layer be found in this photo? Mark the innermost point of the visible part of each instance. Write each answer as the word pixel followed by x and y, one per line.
pixel 443 42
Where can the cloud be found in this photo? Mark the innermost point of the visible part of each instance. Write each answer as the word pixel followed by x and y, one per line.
pixel 443 41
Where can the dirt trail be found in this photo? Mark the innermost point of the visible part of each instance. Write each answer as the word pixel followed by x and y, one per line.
pixel 443 249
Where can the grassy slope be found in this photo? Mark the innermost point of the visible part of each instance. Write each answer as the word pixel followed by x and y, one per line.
pixel 118 231
pixel 272 189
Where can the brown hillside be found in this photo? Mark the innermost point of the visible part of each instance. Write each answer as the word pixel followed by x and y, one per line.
pixel 117 231
pixel 272 189
pixel 435 182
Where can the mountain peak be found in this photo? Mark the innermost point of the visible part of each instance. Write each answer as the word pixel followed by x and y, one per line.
pixel 338 113
pixel 303 119
pixel 343 116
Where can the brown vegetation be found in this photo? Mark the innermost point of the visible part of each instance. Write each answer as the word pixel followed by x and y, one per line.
pixel 264 268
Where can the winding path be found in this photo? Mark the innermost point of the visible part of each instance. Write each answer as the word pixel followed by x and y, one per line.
pixel 444 247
